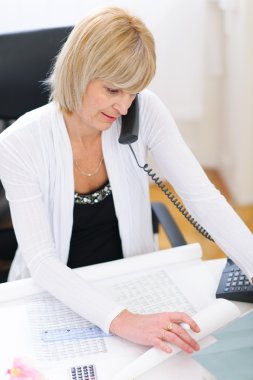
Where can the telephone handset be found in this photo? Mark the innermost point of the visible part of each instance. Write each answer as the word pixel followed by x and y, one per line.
pixel 130 124
pixel 128 135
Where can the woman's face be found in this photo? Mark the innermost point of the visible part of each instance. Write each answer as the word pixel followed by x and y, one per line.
pixel 102 104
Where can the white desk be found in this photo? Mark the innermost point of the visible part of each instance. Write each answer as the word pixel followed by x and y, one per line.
pixel 16 338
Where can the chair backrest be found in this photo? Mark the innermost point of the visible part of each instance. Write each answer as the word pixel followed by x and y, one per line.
pixel 25 61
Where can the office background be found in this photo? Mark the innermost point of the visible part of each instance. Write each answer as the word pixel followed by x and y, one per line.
pixel 205 75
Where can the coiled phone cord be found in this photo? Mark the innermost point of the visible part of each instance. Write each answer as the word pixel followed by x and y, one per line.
pixel 172 198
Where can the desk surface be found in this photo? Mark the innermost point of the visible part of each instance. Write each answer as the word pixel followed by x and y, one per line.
pixel 17 340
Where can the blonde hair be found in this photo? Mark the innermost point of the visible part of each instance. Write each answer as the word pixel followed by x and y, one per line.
pixel 109 44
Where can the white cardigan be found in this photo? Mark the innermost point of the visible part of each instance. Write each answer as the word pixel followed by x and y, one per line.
pixel 36 169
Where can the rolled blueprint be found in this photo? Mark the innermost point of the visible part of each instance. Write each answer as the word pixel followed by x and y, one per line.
pixel 212 318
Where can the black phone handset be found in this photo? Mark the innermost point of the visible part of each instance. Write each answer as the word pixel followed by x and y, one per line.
pixel 128 135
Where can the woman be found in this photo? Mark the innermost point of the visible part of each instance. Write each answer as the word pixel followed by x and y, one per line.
pixel 77 196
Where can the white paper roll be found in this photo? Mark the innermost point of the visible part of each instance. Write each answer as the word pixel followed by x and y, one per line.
pixel 210 319
pixel 14 290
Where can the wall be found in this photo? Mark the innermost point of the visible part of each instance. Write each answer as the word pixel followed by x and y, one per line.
pixel 203 134
pixel 237 134
pixel 223 137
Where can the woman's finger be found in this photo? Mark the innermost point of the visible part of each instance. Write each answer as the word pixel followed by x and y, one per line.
pixel 183 335
pixel 184 318
pixel 170 337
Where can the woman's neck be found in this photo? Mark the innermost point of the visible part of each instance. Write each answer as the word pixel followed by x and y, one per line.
pixel 78 131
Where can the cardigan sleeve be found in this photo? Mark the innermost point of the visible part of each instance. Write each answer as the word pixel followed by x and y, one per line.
pixel 35 237
pixel 179 166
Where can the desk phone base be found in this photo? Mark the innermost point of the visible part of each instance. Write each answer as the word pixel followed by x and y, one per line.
pixel 234 285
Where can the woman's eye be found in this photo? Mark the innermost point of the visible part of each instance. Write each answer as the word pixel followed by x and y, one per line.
pixel 112 90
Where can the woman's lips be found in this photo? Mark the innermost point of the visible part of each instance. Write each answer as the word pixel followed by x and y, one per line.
pixel 109 117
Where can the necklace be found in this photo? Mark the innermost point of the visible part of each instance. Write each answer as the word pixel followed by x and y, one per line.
pixel 92 173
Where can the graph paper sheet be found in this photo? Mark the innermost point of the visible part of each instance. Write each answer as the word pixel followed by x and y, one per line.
pixel 152 293
pixel 58 333
pixel 48 316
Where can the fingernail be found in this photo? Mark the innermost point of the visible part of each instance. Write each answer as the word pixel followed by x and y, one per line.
pixel 168 350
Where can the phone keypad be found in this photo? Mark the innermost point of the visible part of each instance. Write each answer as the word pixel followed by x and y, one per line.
pixel 236 281
pixel 234 285
pixel 84 372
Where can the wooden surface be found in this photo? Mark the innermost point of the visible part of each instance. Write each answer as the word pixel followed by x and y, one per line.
pixel 210 249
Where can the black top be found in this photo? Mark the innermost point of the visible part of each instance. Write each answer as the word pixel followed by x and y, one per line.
pixel 95 234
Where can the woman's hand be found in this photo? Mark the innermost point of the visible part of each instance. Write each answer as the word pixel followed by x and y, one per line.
pixel 156 330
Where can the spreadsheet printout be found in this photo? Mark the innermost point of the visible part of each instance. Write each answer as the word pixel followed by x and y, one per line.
pixel 58 332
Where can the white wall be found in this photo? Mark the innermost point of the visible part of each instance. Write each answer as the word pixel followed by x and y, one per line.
pixel 223 137
pixel 204 74
pixel 237 135
pixel 203 133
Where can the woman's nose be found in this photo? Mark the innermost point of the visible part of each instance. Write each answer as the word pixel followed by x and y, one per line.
pixel 122 105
